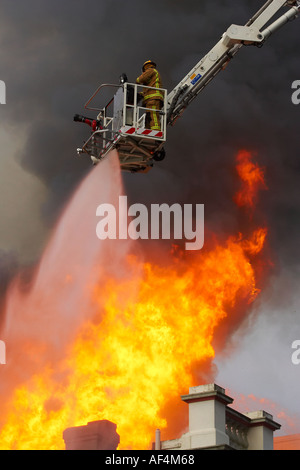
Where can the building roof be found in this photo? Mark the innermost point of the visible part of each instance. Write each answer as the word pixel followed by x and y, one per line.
pixel 291 442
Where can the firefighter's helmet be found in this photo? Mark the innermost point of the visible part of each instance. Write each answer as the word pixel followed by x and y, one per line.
pixel 148 62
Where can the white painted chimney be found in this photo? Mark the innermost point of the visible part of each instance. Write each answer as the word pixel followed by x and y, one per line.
pixel 207 416
pixel 215 425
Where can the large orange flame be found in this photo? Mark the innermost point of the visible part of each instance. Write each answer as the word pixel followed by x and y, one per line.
pixel 151 337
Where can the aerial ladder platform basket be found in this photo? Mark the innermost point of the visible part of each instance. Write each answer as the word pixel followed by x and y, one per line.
pixel 123 126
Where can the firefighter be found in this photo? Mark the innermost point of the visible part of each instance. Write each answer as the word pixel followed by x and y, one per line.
pixel 152 99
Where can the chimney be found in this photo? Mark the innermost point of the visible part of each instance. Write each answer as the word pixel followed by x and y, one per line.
pixel 260 434
pixel 207 416
pixel 213 424
pixel 96 435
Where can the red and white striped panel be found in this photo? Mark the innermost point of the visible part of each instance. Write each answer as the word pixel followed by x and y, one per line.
pixel 150 133
pixel 127 130
pixel 140 131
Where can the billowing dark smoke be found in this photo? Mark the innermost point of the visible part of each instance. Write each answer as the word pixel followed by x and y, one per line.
pixel 53 56
pixel 8 269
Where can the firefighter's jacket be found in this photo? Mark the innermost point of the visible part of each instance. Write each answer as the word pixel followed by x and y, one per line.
pixel 151 78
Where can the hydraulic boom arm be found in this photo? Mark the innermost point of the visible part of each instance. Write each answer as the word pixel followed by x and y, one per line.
pixel 228 46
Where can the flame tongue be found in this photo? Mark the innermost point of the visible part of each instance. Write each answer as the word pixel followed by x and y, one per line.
pixel 253 178
pixel 148 339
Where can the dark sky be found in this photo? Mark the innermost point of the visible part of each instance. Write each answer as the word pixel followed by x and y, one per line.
pixel 54 54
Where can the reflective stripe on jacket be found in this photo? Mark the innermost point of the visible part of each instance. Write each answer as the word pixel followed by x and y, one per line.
pixel 151 78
